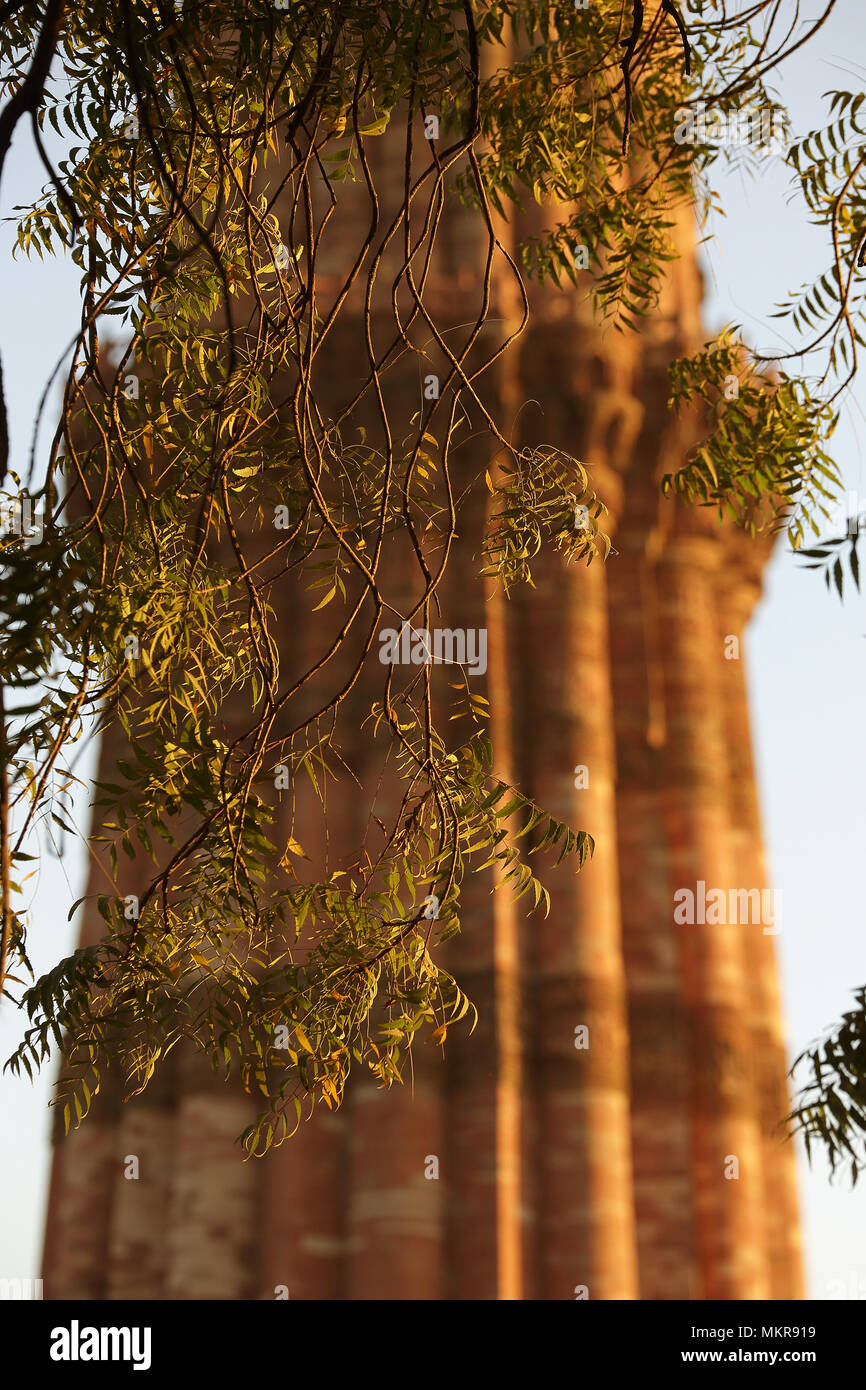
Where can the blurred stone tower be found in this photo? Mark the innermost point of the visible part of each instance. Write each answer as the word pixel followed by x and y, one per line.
pixel 647 1164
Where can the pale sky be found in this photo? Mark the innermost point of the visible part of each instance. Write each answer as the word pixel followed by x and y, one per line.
pixel 806 655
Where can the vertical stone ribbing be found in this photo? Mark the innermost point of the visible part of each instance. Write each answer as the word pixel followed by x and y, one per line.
pixel 509 927
pixel 393 1194
pixel 136 1256
pixel 584 1187
pixel 586 1213
pixel 508 1001
pixel 301 1244
pixel 394 1136
pixel 472 1247
pixel 301 1239
pixel 136 1263
pixel 486 1228
pixel 661 1134
pixel 659 1027
pixel 725 1132
pixel 476 1086
pixel 394 1209
pixel 579 403
pixel 212 1211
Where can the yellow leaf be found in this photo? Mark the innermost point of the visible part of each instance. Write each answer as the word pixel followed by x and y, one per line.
pixel 377 128
pixel 327 599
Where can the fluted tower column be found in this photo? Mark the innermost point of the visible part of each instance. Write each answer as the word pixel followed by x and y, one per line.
pixel 579 1063
pixel 658 1031
pixel 726 1143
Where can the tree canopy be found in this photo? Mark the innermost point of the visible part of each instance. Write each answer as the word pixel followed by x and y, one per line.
pixel 196 465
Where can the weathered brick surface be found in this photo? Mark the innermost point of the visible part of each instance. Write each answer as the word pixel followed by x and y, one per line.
pixel 80 1216
pixel 725 1125
pixel 210 1223
pixel 141 1205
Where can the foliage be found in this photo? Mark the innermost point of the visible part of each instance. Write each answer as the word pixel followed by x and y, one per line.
pixel 767 445
pixel 764 459
pixel 528 511
pixel 831 1107
pixel 211 476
